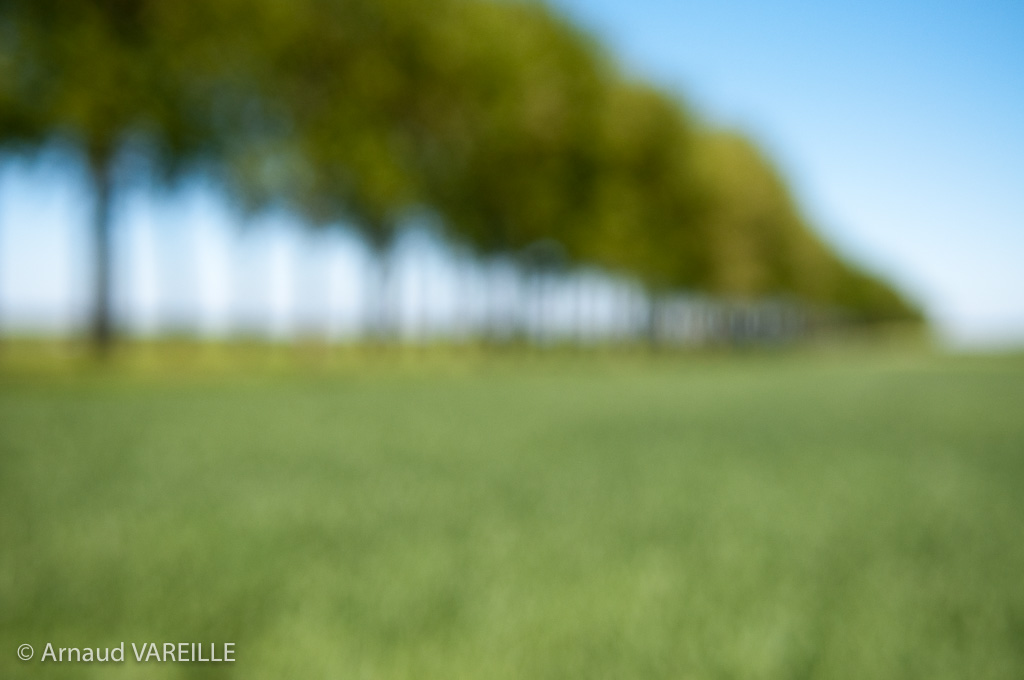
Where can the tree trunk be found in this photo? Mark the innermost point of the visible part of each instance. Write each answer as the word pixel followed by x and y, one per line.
pixel 653 328
pixel 101 328
pixel 579 311
pixel 379 322
pixel 496 324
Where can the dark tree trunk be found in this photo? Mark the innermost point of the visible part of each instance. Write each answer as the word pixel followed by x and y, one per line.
pixel 538 330
pixel 496 323
pixel 653 327
pixel 380 322
pixel 101 327
pixel 579 312
pixel 462 321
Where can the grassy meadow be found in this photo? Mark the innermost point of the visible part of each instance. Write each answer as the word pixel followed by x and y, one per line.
pixel 846 516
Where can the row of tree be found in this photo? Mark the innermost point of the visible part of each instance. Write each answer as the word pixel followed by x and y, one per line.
pixel 498 117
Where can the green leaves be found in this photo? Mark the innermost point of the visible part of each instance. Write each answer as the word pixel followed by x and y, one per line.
pixel 500 117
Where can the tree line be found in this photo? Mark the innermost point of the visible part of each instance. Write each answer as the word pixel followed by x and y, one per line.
pixel 510 125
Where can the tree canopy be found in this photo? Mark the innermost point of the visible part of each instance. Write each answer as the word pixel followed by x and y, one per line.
pixel 499 116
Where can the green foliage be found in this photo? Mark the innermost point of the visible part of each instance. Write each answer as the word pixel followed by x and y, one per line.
pixel 758 244
pixel 101 73
pixel 646 214
pixel 500 117
pixel 838 519
pixel 513 161
pixel 870 300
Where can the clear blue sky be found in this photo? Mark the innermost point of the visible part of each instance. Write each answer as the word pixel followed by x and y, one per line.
pixel 899 124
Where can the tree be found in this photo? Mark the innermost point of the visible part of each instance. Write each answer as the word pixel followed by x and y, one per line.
pixel 509 154
pixel 760 245
pixel 643 219
pixel 500 117
pixel 100 74
pixel 347 81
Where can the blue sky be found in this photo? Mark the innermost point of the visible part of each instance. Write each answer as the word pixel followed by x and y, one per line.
pixel 899 124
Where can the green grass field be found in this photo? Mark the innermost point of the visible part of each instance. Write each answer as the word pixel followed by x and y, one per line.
pixel 845 516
